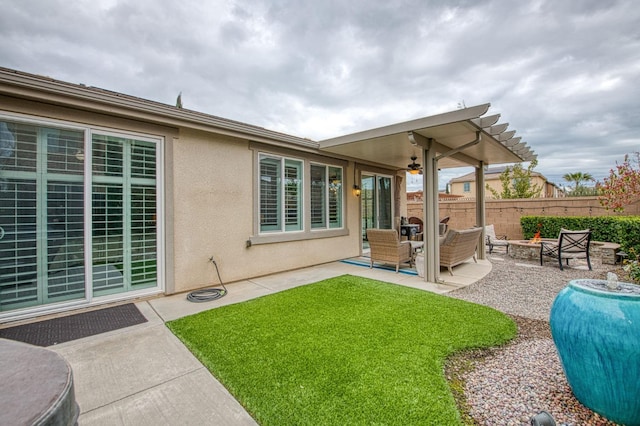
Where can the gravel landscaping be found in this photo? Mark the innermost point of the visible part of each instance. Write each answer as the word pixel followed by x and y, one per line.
pixel 511 384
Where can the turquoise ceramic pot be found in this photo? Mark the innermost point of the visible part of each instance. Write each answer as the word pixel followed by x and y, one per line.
pixel 597 334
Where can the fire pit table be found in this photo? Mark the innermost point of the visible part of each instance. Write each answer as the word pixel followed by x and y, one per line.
pixel 525 249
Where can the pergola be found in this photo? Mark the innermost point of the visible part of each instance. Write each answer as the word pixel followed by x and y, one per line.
pixel 460 138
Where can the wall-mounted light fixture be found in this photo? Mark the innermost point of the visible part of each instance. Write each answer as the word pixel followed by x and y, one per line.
pixel 356 189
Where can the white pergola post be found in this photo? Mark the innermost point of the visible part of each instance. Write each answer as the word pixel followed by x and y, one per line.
pixel 480 208
pixel 431 214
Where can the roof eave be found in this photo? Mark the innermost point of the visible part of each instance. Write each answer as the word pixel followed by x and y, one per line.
pixel 45 89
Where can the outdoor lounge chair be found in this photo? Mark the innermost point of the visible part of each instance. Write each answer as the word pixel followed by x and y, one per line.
pixel 458 246
pixel 387 248
pixel 570 245
pixel 495 241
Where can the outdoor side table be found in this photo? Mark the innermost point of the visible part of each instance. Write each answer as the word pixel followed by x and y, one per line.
pixel 37 386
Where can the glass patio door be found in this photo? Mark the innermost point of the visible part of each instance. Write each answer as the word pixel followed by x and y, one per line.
pixel 50 227
pixel 41 215
pixel 124 243
pixel 376 200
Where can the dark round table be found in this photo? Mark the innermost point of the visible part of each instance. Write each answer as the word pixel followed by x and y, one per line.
pixel 37 386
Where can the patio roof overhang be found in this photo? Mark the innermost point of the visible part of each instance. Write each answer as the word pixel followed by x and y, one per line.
pixel 465 137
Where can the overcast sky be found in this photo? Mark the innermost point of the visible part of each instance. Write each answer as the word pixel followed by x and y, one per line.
pixel 564 74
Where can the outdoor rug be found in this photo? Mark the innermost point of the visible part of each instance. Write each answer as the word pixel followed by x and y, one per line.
pixel 365 262
pixel 65 329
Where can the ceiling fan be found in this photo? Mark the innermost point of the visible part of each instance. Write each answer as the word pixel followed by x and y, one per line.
pixel 414 168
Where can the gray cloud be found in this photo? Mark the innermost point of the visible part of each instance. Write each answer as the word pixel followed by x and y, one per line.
pixel 563 74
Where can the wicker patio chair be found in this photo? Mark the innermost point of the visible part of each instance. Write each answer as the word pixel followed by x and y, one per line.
pixel 570 245
pixel 417 221
pixel 387 248
pixel 495 241
pixel 458 246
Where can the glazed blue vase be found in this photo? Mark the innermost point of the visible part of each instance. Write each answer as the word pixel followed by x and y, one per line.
pixel 597 333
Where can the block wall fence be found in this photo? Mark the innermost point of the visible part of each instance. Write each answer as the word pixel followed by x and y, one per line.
pixel 505 214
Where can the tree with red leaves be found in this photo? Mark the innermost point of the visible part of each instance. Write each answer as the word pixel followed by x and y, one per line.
pixel 622 187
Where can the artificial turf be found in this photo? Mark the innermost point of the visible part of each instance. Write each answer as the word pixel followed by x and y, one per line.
pixel 346 350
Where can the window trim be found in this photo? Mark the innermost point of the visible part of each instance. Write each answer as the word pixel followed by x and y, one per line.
pixel 282 160
pixel 326 199
pixel 306 233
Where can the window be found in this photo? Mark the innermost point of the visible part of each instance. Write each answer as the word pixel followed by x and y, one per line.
pixel 467 187
pixel 280 194
pixel 297 197
pixel 326 197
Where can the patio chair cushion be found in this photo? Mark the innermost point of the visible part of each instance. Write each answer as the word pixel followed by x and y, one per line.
pixel 386 247
pixel 458 246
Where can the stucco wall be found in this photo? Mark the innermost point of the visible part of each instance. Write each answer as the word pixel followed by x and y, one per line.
pixel 213 216
pixel 505 214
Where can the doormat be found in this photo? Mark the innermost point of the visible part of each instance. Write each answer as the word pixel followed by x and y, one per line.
pixel 365 263
pixel 72 327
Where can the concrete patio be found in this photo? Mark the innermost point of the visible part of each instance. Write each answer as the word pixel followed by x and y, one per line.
pixel 143 375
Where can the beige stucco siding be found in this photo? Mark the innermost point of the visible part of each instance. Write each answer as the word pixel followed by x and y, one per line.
pixel 213 185
pixel 212 199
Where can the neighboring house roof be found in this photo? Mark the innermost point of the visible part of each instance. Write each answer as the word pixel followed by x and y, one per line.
pixel 489 174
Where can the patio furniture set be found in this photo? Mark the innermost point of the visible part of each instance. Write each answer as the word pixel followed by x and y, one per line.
pixel 457 246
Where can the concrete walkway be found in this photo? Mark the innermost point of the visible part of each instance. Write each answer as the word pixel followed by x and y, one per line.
pixel 143 375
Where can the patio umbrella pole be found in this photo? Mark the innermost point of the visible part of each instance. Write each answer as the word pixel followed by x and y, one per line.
pixel 208 294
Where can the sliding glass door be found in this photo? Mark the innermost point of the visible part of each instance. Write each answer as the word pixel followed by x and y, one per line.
pixel 41 215
pixel 376 200
pixel 124 242
pixel 44 209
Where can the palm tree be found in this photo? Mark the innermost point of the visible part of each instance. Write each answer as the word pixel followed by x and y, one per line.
pixel 578 178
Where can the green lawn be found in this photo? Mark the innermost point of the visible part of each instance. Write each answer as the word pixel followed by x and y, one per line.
pixel 347 350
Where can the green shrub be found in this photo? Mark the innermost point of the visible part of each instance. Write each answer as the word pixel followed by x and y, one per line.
pixel 632 266
pixel 624 230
